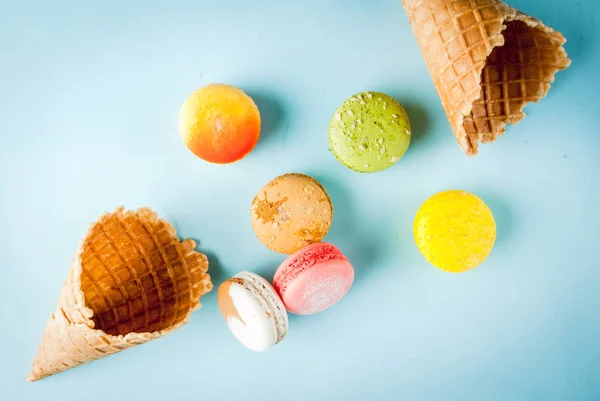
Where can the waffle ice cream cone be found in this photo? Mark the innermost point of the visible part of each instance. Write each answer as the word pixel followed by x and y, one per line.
pixel 131 281
pixel 487 61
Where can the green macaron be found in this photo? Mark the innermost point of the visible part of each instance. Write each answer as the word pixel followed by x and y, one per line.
pixel 369 132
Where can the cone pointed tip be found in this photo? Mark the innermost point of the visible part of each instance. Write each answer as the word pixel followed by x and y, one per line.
pixel 35 375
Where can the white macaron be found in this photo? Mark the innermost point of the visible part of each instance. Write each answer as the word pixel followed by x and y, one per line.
pixel 253 311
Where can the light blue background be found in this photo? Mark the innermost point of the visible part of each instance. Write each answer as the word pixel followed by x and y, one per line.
pixel 89 96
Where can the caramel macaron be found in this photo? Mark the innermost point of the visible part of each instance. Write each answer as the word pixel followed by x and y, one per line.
pixel 291 212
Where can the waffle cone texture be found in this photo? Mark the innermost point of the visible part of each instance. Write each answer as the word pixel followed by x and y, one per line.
pixel 131 281
pixel 487 61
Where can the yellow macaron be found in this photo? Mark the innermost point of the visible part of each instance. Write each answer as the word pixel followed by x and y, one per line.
pixel 455 231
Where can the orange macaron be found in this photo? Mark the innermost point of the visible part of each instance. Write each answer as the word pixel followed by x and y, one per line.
pixel 219 123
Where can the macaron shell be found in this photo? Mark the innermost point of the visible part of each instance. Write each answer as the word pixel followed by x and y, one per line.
pixel 253 311
pixel 318 288
pixel 455 231
pixel 290 212
pixel 257 331
pixel 369 132
pixel 219 123
pixel 269 299
pixel 314 278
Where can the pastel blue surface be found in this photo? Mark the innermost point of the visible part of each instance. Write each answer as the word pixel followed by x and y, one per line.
pixel 89 96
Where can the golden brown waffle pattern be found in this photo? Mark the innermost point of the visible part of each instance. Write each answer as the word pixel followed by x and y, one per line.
pixel 132 281
pixel 487 60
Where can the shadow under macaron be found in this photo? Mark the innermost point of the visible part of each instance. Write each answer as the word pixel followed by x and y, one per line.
pixel 503 216
pixel 273 118
pixel 363 249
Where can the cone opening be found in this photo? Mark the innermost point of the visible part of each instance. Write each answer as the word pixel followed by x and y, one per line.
pixel 518 72
pixel 135 276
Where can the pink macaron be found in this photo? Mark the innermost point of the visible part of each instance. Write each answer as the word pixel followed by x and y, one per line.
pixel 313 279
